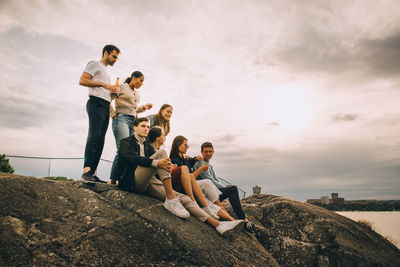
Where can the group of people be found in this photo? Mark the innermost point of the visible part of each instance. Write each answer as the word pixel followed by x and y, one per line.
pixel 141 164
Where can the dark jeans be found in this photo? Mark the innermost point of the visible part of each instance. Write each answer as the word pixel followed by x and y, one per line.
pixel 231 192
pixel 98 112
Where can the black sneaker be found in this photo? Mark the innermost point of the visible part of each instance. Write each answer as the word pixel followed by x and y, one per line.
pixel 88 177
pixel 249 227
pixel 98 179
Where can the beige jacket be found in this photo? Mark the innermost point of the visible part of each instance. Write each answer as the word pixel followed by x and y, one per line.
pixel 127 102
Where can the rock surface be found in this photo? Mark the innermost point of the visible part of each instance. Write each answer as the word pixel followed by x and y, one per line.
pixel 300 234
pixel 44 223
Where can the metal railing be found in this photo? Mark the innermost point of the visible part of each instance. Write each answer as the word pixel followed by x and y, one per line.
pixel 66 170
pixel 49 165
pixel 242 193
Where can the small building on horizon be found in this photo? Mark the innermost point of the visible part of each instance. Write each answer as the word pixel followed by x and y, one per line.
pixel 326 200
pixel 336 199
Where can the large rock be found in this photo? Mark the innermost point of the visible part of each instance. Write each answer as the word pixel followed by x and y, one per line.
pixel 46 223
pixel 300 234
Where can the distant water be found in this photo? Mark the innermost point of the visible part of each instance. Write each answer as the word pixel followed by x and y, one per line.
pixel 386 223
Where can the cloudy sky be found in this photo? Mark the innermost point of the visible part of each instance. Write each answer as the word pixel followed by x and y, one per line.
pixel 298 97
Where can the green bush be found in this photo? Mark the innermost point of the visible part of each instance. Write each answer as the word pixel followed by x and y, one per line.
pixel 5 164
pixel 59 178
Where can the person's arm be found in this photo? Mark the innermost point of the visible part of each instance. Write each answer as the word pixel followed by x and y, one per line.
pixel 176 160
pixel 200 170
pixel 193 160
pixel 144 108
pixel 113 112
pixel 87 78
pixel 203 175
pixel 131 155
pixel 218 183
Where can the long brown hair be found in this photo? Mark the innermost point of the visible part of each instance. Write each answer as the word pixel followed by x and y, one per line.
pixel 160 121
pixel 178 140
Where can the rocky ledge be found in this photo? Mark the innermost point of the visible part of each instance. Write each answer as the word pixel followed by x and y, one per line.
pixel 45 223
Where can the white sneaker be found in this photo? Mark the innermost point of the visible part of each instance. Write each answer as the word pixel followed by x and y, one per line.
pixel 227 227
pixel 213 206
pixel 210 212
pixel 176 208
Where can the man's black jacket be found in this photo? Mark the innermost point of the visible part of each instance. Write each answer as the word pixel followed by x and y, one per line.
pixel 130 159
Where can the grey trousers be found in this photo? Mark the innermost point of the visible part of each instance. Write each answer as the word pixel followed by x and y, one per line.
pixel 144 175
pixel 210 191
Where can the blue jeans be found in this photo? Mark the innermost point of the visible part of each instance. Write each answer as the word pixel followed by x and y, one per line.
pixel 122 127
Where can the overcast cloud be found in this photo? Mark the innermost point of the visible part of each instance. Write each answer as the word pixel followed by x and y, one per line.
pixel 298 97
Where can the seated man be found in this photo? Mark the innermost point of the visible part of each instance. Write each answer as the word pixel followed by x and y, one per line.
pixel 229 191
pixel 141 164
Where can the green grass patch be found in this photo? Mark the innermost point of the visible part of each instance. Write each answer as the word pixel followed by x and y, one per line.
pixel 59 178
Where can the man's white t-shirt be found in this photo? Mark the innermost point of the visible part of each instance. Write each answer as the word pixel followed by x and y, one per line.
pixel 99 73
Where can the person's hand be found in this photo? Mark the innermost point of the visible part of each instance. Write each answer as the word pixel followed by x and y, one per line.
pixel 199 158
pixel 204 167
pixel 165 164
pixel 114 89
pixel 185 156
pixel 146 107
pixel 173 166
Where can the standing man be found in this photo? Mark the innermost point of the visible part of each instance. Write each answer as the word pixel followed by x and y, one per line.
pixel 96 78
pixel 229 191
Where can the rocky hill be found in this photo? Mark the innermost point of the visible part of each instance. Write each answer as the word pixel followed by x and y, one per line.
pixel 44 223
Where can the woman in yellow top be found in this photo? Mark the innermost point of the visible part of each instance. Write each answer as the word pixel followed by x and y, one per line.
pixel 126 109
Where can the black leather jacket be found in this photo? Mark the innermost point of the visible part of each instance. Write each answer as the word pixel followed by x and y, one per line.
pixel 129 157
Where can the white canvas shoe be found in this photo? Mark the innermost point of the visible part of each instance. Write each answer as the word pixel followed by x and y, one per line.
pixel 227 227
pixel 213 206
pixel 210 212
pixel 176 208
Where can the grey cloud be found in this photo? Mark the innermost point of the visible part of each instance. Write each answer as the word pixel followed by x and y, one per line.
pixel 339 117
pixel 39 48
pixel 228 138
pixel 382 56
pixel 318 53
pixel 348 168
pixel 20 111
pixel 231 154
pixel 221 142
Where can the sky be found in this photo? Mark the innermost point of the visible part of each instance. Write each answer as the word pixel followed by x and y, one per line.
pixel 298 97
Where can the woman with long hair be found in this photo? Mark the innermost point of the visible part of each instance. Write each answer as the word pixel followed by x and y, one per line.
pixel 184 180
pixel 126 109
pixel 162 118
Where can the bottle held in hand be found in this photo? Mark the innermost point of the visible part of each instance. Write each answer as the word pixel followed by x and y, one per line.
pixel 116 84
